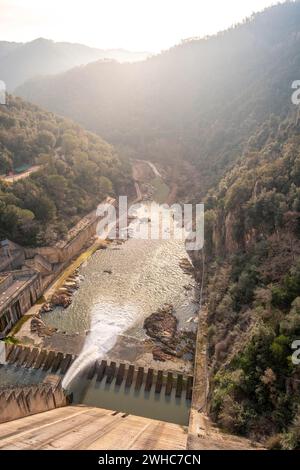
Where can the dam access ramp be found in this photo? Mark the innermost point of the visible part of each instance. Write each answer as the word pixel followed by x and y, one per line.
pixel 88 428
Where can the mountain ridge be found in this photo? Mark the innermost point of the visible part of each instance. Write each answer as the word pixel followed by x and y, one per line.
pixel 21 61
pixel 180 102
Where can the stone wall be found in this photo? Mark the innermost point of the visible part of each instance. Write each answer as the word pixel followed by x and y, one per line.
pixel 23 290
pixel 14 261
pixel 6 280
pixel 39 264
pixel 50 253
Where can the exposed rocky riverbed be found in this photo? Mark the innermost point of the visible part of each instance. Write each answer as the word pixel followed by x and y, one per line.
pixel 169 342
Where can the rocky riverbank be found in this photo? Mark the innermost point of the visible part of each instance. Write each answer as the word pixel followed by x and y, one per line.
pixel 64 295
pixel 168 342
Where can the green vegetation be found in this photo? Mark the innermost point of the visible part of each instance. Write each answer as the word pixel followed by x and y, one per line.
pixel 10 340
pixel 254 289
pixel 78 169
pixel 161 190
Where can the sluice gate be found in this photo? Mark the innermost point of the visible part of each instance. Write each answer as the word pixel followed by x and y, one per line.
pixel 124 375
pixel 141 378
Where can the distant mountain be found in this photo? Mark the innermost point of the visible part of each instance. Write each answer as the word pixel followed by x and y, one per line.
pixel 20 62
pixel 200 100
pixel 7 47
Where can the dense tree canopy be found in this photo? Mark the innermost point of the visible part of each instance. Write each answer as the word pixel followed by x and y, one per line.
pixel 78 169
pixel 253 253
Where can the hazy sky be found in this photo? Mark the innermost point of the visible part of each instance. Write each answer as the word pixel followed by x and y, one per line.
pixel 149 25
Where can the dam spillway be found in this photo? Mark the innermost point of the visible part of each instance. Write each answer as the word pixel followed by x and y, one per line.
pixel 57 362
pixel 140 377
pixel 152 392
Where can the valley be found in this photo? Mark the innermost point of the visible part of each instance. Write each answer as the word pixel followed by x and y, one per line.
pixel 116 318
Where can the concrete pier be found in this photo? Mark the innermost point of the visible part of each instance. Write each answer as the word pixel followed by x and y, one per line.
pixel 129 377
pixel 120 374
pixel 31 358
pixel 110 373
pixel 67 361
pixel 179 386
pixel 139 378
pixel 149 380
pixel 101 371
pixel 159 381
pixel 169 385
pixel 92 371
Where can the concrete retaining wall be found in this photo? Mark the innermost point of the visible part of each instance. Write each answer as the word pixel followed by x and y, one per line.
pixel 29 288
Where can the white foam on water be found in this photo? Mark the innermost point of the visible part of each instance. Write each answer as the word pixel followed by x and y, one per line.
pixel 108 321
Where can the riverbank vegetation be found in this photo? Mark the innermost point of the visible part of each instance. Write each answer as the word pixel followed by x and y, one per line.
pixel 78 169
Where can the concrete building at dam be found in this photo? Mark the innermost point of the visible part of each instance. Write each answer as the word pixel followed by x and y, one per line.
pixel 19 290
pixel 25 273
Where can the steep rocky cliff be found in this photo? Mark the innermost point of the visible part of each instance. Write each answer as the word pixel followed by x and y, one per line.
pixel 252 289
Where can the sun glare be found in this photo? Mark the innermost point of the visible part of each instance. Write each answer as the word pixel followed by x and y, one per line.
pixel 150 25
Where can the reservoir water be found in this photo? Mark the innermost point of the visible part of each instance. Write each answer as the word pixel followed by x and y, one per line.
pixel 131 401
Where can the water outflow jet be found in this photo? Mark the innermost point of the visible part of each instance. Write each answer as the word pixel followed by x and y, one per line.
pixel 108 321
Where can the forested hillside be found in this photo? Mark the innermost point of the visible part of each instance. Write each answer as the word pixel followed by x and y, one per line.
pixel 222 105
pixel 252 252
pixel 199 101
pixel 78 169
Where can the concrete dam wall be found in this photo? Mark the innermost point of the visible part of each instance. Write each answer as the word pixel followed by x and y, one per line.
pixel 18 402
pixel 123 373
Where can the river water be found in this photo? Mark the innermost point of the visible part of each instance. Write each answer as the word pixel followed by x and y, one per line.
pixel 120 287
pixel 124 284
